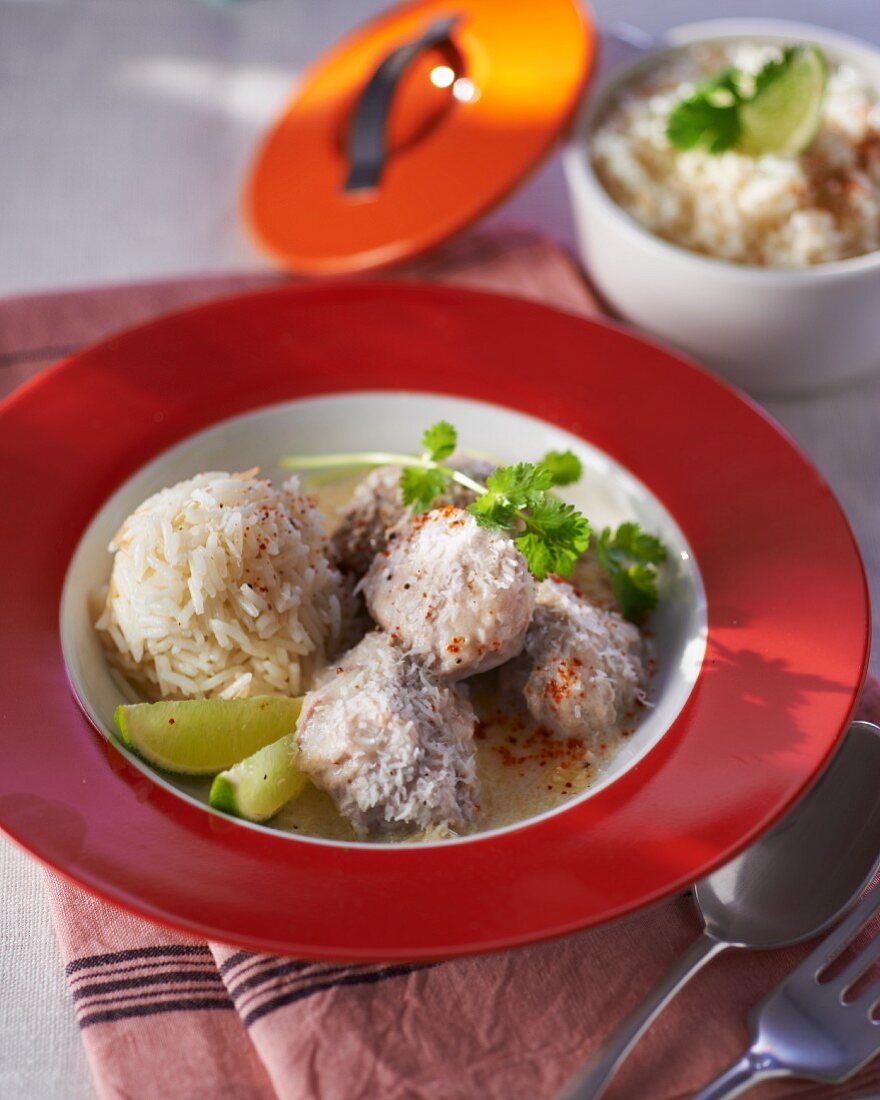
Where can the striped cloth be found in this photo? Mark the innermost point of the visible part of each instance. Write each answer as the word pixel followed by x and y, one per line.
pixel 163 1015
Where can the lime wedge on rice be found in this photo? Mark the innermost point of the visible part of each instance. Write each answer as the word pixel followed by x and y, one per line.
pixel 204 736
pixel 784 114
pixel 259 786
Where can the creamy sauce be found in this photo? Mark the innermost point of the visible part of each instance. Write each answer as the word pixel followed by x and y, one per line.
pixel 523 770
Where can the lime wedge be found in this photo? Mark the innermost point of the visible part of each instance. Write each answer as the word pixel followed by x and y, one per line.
pixel 204 736
pixel 259 786
pixel 785 112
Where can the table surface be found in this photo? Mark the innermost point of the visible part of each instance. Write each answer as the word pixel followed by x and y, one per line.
pixel 125 129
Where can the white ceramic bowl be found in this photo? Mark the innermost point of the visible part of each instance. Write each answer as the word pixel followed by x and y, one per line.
pixel 768 330
pixel 608 493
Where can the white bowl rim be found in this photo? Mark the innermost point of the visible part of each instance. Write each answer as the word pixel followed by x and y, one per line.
pixel 579 168
pixel 690 660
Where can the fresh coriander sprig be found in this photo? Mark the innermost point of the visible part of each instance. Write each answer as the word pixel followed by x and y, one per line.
pixel 631 556
pixel 564 466
pixel 708 119
pixel 777 110
pixel 549 533
pixel 422 483
pixel 439 442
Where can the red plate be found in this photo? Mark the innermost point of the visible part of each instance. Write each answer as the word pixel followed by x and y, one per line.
pixel 787 646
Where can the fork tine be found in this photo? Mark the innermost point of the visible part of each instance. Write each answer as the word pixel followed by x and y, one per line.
pixel 858 966
pixel 870 997
pixel 833 944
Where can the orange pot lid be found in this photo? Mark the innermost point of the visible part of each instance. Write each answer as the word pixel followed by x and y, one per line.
pixel 412 127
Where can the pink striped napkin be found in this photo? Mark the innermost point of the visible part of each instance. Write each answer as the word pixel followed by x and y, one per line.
pixel 163 1015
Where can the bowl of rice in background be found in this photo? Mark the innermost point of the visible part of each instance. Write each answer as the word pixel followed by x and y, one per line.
pixel 765 269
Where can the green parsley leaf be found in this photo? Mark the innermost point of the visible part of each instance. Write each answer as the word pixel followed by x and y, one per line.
pixel 630 542
pixel 520 479
pixel 440 440
pixel 708 119
pixel 555 536
pixel 421 485
pixel 551 534
pixel 565 467
pixel 491 511
pixel 631 557
pixel 636 591
pixel 509 489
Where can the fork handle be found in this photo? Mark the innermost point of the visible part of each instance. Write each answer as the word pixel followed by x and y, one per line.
pixel 753 1067
pixel 591 1081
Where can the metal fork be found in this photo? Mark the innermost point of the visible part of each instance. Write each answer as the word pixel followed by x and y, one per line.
pixel 804 1027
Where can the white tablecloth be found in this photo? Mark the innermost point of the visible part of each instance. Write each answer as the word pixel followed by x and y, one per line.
pixel 125 127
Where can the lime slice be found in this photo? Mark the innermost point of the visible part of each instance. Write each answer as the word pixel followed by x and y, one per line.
pixel 259 786
pixel 785 112
pixel 204 736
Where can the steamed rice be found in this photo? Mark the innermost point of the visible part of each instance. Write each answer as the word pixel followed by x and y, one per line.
pixel 771 211
pixel 220 587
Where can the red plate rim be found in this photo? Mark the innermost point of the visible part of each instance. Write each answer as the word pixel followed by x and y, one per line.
pixel 789 626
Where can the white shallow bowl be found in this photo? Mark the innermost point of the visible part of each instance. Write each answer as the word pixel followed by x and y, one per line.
pixel 608 494
pixel 771 331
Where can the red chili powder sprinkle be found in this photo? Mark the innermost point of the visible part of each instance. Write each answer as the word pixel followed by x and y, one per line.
pixel 540 747
pixel 559 687
pixel 452 515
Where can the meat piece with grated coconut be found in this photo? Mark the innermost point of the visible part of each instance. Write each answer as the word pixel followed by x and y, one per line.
pixel 376 510
pixel 392 747
pixel 581 670
pixel 458 596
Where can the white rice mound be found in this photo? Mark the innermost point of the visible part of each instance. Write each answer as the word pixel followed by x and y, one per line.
pixel 771 211
pixel 220 587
